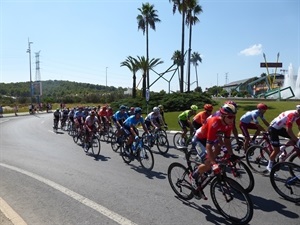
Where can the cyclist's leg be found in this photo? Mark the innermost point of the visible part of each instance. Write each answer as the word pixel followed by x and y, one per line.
pixel 245 132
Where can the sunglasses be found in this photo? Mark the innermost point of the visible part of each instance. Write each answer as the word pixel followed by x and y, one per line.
pixel 230 117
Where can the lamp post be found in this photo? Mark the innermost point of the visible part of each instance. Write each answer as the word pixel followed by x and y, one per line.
pixel 106 76
pixel 29 51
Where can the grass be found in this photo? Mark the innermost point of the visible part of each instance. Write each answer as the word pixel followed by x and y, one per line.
pixel 274 109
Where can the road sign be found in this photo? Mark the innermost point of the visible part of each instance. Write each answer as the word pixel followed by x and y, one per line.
pixel 271 64
pixel 147 95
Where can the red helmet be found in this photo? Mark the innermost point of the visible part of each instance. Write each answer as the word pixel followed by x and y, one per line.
pixel 104 107
pixel 262 106
pixel 228 109
pixel 208 107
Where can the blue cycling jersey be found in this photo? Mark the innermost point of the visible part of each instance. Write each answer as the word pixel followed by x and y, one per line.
pixel 251 116
pixel 133 121
pixel 120 115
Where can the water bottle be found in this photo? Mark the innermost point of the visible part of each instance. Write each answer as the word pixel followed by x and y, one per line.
pixel 201 151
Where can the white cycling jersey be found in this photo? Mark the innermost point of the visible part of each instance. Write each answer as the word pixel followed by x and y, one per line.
pixel 286 118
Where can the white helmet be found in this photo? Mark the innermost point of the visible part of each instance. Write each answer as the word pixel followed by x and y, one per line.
pixel 156 109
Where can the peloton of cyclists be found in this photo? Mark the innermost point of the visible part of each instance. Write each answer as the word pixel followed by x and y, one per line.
pixel 250 121
pixel 282 126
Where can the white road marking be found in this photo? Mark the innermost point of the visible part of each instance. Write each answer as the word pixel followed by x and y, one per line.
pixel 99 208
pixel 10 213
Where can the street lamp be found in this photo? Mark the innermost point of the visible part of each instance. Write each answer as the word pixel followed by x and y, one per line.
pixel 29 51
pixel 106 76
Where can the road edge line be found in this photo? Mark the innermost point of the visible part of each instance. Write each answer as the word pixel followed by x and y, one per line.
pixel 10 214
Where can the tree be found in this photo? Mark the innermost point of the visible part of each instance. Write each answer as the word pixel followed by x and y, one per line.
pixel 148 17
pixel 195 58
pixel 177 60
pixel 191 19
pixel 145 65
pixel 181 6
pixel 132 66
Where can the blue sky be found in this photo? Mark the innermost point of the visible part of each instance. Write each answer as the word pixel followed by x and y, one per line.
pixel 81 40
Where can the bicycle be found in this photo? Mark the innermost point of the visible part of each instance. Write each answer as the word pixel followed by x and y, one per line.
pixel 228 196
pixel 93 144
pixel 236 170
pixel 106 133
pixel 157 138
pixel 116 142
pixel 257 156
pixel 140 152
pixel 180 142
pixel 285 179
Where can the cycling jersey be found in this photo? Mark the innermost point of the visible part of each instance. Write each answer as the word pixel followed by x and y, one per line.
pixel 201 117
pixel 102 112
pixel 152 117
pixel 133 121
pixel 91 121
pixel 286 118
pixel 250 116
pixel 119 115
pixel 212 129
pixel 185 115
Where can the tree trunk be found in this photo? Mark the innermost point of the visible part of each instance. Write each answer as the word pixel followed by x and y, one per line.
pixel 147 56
pixel 182 53
pixel 134 86
pixel 189 59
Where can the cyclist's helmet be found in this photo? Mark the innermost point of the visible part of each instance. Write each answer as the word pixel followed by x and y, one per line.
pixel 104 107
pixel 228 109
pixel 93 113
pixel 232 103
pixel 137 110
pixel 131 108
pixel 194 107
pixel 156 109
pixel 298 107
pixel 208 107
pixel 262 106
pixel 160 107
pixel 122 107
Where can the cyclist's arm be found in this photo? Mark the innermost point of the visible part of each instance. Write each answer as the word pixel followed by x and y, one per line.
pixel 291 134
pixel 265 122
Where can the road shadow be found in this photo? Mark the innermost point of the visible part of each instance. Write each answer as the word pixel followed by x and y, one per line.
pixel 149 174
pixel 269 205
pixel 205 209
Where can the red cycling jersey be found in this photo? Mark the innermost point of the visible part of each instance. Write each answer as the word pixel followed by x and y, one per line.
pixel 102 112
pixel 212 129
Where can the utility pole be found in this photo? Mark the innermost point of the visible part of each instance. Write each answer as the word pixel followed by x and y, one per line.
pixel 38 81
pixel 226 78
pixel 29 51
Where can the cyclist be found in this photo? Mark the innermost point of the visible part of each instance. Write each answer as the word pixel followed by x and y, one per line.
pixel 201 117
pixel 90 126
pixel 129 127
pixel 110 113
pixel 78 118
pixel 282 126
pixel 246 123
pixel 64 116
pixel 103 117
pixel 184 122
pixel 119 117
pixel 56 118
pixel 71 115
pixel 209 138
pixel 162 113
pixel 131 111
pixel 152 118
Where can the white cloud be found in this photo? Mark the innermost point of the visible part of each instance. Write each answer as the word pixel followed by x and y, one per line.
pixel 253 50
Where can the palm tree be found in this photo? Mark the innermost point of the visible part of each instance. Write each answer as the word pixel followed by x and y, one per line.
pixel 181 6
pixel 177 60
pixel 132 66
pixel 195 58
pixel 145 65
pixel 191 19
pixel 148 17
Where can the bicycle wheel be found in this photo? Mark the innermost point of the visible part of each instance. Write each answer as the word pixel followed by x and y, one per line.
pixel 231 200
pixel 127 158
pixel 95 146
pixel 193 159
pixel 178 177
pixel 257 158
pixel 241 173
pixel 146 158
pixel 114 143
pixel 285 179
pixel 162 143
pixel 178 141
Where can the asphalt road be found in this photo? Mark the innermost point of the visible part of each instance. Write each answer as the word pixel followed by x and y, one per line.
pixel 48 179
